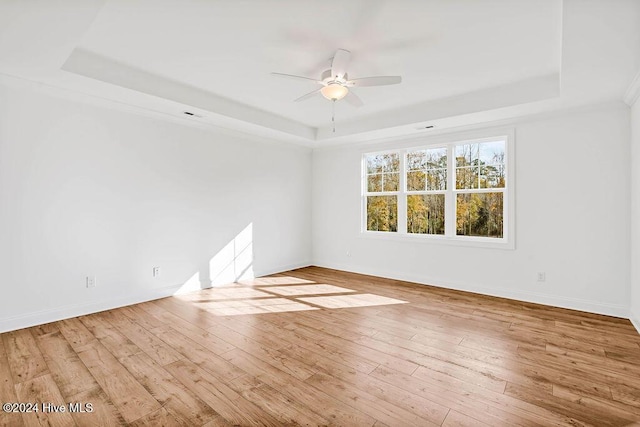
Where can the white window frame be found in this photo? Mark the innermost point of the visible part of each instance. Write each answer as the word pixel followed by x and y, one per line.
pixel 402 206
pixel 507 241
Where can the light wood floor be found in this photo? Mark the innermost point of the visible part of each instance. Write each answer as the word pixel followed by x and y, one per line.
pixel 270 353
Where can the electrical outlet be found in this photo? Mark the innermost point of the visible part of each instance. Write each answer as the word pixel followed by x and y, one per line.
pixel 156 272
pixel 91 281
pixel 542 276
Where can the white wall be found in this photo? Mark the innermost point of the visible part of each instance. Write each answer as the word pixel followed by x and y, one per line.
pixel 635 215
pixel 88 190
pixel 572 219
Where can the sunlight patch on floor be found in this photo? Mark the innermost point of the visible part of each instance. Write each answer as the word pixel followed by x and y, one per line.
pixel 260 306
pixel 346 301
pixel 215 294
pixel 270 281
pixel 280 294
pixel 307 290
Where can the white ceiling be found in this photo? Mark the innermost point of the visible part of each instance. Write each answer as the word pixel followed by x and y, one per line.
pixel 462 61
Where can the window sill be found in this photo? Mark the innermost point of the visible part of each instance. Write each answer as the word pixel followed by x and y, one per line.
pixel 477 242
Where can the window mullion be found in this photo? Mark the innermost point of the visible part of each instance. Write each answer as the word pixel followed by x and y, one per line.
pixel 402 194
pixel 450 206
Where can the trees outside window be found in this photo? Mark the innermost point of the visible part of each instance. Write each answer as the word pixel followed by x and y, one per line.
pixel 382 189
pixel 480 183
pixel 426 186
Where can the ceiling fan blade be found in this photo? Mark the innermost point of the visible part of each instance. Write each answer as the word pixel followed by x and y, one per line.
pixel 339 63
pixel 307 96
pixel 353 99
pixel 374 81
pixel 291 76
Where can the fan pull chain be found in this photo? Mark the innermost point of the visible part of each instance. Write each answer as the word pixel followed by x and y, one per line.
pixel 333 115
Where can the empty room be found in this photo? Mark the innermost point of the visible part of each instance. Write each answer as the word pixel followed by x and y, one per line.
pixel 320 213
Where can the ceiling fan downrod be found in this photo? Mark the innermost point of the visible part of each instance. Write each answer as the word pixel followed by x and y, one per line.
pixel 333 115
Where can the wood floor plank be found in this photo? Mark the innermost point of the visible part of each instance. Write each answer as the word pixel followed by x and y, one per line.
pixel 306 340
pixel 109 336
pixel 149 343
pixel 425 409
pixel 201 356
pixel 579 412
pixel 456 419
pixel 603 406
pixel 47 328
pixel 23 355
pixel 188 329
pixel 68 371
pixel 138 315
pixel 600 380
pixel 629 356
pixel 285 409
pixel 45 393
pixel 218 421
pixel 478 371
pixel 130 398
pixel 348 348
pixel 187 311
pixel 629 394
pixel 381 410
pixel 451 393
pixel 224 400
pixel 182 404
pixel 161 417
pixel 102 413
pixel 7 390
pixel 322 404
pixel 76 333
pixel 445 358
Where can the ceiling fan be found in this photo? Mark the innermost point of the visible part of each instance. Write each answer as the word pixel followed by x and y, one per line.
pixel 336 84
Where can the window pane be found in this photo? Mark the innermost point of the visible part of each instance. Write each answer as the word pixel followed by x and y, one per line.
pixel 427 169
pixel 492 176
pixel 416 181
pixel 382 213
pixel 390 181
pixel 425 214
pixel 467 177
pixel 436 158
pixel 374 183
pixel 374 164
pixel 479 214
pixel 391 162
pixel 492 152
pixel 466 155
pixel 492 164
pixel 437 179
pixel 379 163
pixel 417 160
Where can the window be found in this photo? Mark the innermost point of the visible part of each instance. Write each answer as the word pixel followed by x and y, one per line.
pixel 456 191
pixel 480 183
pixel 383 184
pixel 426 185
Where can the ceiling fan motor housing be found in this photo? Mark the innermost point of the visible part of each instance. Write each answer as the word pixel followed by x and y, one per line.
pixel 327 77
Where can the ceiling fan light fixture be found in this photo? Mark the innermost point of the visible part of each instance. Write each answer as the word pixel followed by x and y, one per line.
pixel 334 91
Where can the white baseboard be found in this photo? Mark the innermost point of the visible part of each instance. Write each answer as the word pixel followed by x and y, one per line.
pixel 596 307
pixel 45 316
pixel 51 315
